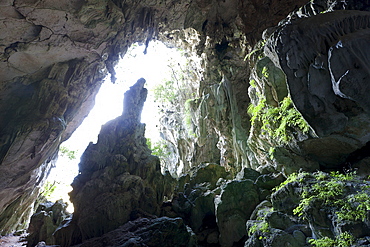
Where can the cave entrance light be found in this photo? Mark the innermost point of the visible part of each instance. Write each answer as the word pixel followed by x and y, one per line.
pixel 154 67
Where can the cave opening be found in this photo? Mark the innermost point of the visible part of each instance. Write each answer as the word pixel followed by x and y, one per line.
pixel 162 67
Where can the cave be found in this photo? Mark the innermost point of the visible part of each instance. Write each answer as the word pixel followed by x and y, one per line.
pixel 273 108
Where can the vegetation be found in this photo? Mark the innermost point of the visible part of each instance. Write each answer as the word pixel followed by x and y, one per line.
pixel 292 178
pixel 65 152
pixel 344 196
pixel 260 228
pixel 48 189
pixel 329 190
pixel 165 92
pixel 278 122
pixel 158 148
pixel 345 239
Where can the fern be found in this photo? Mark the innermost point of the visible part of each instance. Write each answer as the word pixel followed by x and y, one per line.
pixel 277 122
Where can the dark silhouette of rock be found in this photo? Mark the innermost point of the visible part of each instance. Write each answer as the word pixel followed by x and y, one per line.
pixel 166 232
pixel 45 221
pixel 119 180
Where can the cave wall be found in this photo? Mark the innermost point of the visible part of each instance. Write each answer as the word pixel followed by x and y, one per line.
pixel 55 54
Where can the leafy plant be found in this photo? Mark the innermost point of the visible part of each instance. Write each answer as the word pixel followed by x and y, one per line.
pixel 278 122
pixel 261 227
pixel 354 207
pixel 66 152
pixel 292 178
pixel 345 239
pixel 329 190
pixel 252 83
pixel 48 189
pixel 165 92
pixel 159 148
pixel 326 191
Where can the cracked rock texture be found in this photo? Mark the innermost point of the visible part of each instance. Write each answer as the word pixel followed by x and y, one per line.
pixel 118 179
pixel 55 54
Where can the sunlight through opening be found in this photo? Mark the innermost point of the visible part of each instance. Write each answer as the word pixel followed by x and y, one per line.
pixel 155 67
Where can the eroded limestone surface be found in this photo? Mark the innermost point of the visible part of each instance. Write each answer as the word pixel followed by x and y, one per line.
pixel 55 54
pixel 119 180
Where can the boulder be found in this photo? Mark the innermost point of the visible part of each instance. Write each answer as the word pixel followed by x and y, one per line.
pixel 45 221
pixel 166 232
pixel 234 207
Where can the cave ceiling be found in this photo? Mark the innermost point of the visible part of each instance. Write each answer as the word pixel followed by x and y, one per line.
pixel 55 55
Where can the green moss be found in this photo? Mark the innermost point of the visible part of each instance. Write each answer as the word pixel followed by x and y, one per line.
pixel 329 190
pixel 294 177
pixel 278 122
pixel 260 228
pixel 344 196
pixel 345 239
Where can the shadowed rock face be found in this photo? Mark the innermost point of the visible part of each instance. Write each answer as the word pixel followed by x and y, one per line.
pixel 168 232
pixel 54 55
pixel 327 81
pixel 54 60
pixel 118 179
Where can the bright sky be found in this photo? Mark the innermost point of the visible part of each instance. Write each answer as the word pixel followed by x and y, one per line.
pixel 109 104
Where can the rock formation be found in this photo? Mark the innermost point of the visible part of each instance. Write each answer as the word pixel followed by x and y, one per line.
pixel 55 54
pixel 47 218
pixel 303 68
pixel 118 179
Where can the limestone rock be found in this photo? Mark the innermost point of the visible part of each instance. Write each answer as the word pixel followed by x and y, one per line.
pixel 45 221
pixel 194 200
pixel 55 55
pixel 318 80
pixel 234 206
pixel 146 232
pixel 119 180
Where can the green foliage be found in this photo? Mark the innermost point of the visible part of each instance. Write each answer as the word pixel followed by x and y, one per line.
pixel 329 190
pixel 252 83
pixel 48 189
pixel 343 177
pixel 299 177
pixel 345 239
pixel 344 196
pixel 65 152
pixel 159 148
pixel 278 122
pixel 354 207
pixel 165 92
pixel 260 227
pixel 265 72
